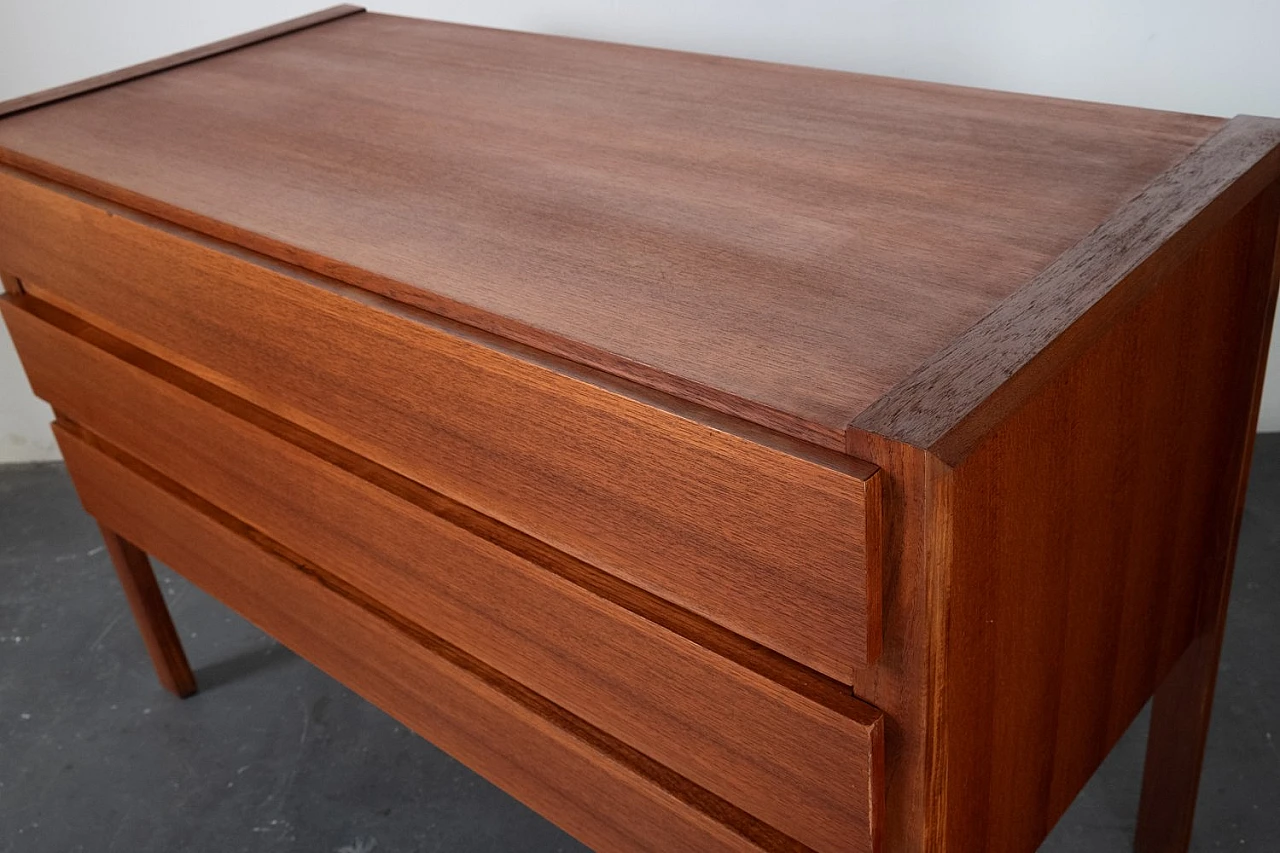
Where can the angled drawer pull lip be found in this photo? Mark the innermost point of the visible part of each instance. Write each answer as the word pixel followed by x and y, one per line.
pixel 430 686
pixel 795 750
pixel 774 546
pixel 789 674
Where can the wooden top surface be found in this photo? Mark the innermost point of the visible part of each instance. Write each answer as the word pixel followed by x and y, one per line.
pixel 786 244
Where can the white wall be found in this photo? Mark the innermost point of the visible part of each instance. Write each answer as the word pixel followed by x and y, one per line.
pixel 1209 56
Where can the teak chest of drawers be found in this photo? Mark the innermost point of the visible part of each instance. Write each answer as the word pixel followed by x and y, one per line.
pixel 716 455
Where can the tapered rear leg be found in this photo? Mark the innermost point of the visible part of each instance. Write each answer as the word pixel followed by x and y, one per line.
pixel 1180 714
pixel 151 613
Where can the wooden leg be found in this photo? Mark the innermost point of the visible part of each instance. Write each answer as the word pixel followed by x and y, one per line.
pixel 151 614
pixel 1175 749
pixel 1182 704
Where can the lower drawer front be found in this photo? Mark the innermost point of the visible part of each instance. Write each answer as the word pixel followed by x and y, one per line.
pixel 807 762
pixel 603 799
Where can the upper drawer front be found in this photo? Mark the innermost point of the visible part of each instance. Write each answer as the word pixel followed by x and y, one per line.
pixel 779 548
pixel 807 764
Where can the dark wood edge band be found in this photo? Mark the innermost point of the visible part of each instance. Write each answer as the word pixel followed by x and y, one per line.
pixel 164 63
pixel 952 401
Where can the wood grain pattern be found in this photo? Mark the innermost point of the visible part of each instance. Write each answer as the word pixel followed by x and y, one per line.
pixel 750 655
pixel 165 63
pixel 904 683
pixel 812 769
pixel 610 797
pixel 950 403
pixel 725 522
pixel 778 458
pixel 1180 713
pixel 1181 708
pixel 1089 529
pixel 780 243
pixel 151 614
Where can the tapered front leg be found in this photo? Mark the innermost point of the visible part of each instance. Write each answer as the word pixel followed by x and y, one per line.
pixel 151 614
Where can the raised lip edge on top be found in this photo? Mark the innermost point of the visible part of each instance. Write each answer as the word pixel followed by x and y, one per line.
pixel 173 60
pixel 946 404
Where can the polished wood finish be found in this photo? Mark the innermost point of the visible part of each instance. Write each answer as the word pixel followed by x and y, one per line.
pixel 150 613
pixel 1069 606
pixel 761 239
pixel 165 63
pixel 609 795
pixel 904 683
pixel 717 455
pixel 951 403
pixel 781 547
pixel 1175 749
pixel 1181 707
pixel 808 764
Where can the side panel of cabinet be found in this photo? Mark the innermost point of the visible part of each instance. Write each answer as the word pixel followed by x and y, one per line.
pixel 1093 529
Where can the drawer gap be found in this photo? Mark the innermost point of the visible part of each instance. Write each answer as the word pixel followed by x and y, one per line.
pixel 688 792
pixel 753 656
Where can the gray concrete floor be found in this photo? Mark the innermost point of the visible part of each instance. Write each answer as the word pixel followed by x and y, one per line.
pixel 273 755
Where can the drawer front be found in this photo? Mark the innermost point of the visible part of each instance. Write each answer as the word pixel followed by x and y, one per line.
pixel 778 547
pixel 537 758
pixel 807 763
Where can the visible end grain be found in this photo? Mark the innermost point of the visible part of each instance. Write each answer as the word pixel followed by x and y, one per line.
pixel 874 499
pixel 12 284
pixel 953 401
